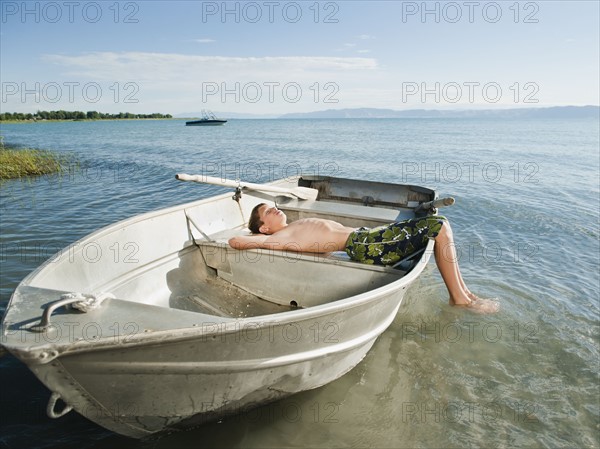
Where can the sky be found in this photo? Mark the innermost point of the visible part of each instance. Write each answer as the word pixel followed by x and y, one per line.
pixel 277 57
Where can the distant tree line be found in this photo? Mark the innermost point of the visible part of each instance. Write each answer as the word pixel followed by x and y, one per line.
pixel 76 115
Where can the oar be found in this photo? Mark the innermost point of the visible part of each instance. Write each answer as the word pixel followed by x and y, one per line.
pixel 435 204
pixel 303 193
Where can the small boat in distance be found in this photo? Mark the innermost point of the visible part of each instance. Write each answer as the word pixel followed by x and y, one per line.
pixel 208 119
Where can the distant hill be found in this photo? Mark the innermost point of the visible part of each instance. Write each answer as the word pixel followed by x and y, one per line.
pixel 550 112
pixel 364 113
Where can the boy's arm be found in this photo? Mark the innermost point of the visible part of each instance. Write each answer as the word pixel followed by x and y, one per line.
pixel 248 241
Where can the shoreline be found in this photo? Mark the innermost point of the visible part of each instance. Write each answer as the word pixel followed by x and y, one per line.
pixel 28 122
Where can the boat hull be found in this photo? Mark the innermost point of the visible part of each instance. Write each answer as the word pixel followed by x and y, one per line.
pixel 206 123
pixel 137 390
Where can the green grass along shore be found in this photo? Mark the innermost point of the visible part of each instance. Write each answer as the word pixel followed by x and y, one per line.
pixel 21 162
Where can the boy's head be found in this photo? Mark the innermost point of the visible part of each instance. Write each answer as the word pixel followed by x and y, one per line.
pixel 255 222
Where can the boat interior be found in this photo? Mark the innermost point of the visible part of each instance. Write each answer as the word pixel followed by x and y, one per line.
pixel 256 282
pixel 179 258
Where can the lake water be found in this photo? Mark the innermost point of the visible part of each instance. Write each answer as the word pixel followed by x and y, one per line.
pixel 526 221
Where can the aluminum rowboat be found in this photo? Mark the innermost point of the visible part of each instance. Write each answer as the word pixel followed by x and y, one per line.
pixel 191 330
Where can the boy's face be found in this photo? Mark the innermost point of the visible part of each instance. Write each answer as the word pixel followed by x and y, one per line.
pixel 273 219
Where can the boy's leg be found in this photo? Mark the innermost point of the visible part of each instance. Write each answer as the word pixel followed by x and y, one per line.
pixel 447 263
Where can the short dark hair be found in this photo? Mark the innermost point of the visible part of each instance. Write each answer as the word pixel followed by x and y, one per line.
pixel 255 222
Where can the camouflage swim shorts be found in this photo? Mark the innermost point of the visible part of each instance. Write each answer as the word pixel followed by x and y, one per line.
pixel 388 244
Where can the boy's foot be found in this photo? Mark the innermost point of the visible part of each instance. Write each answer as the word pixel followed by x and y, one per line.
pixel 479 305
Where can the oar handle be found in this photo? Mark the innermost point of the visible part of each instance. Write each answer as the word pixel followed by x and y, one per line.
pixel 435 204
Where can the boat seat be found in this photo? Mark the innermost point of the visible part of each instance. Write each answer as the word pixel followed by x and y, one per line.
pixel 291 278
pixel 220 242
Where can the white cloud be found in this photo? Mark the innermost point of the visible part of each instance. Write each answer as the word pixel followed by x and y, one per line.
pixel 204 41
pixel 172 67
pixel 365 37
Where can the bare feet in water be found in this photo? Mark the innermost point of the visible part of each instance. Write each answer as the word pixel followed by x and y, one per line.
pixel 479 305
